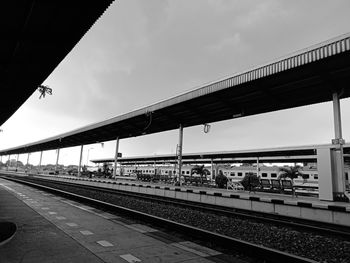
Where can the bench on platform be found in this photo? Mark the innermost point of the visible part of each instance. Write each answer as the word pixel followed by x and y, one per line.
pixel 265 184
pixel 276 185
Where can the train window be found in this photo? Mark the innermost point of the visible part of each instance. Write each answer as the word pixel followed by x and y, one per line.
pixel 166 171
pixel 187 172
pixel 306 176
pixel 232 174
pixel 239 174
pixel 346 176
pixel 264 175
pixel 273 175
pixel 182 172
pixel 315 176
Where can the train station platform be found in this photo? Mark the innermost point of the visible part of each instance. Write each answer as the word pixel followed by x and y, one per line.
pixel 303 207
pixel 36 239
pixel 54 229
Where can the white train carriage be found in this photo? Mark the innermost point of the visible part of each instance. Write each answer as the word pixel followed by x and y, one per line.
pixel 233 173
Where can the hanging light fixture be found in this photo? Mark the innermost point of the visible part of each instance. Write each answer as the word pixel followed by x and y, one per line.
pixel 206 128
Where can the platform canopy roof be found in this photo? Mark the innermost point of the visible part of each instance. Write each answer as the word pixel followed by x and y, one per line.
pixel 305 77
pixel 298 154
pixel 35 37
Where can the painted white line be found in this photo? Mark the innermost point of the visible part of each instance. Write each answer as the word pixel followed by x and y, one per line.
pixel 141 228
pixel 45 208
pixel 60 218
pixel 190 250
pixel 71 224
pixel 130 258
pixel 86 232
pixel 199 248
pixel 86 207
pixel 109 216
pixel 104 243
pixel 53 213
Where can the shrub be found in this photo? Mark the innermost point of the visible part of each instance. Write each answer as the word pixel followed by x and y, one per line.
pixel 250 181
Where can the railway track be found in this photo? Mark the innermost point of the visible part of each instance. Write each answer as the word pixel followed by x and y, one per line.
pixel 262 253
pixel 300 224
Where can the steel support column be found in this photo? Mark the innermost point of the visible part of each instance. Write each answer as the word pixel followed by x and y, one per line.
pixel 212 169
pixel 17 161
pixel 57 158
pixel 80 159
pixel 179 152
pixel 41 157
pixel 257 167
pixel 116 157
pixel 338 174
pixel 8 163
pixel 155 168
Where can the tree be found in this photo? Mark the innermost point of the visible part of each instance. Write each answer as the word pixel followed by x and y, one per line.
pixel 291 172
pixel 201 171
pixel 106 170
pixel 250 181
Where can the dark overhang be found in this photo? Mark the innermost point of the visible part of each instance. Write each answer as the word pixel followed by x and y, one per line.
pixel 298 154
pixel 35 37
pixel 306 77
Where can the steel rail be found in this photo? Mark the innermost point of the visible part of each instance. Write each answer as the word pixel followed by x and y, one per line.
pixel 300 224
pixel 262 252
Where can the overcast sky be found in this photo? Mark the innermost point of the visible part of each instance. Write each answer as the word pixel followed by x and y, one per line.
pixel 140 52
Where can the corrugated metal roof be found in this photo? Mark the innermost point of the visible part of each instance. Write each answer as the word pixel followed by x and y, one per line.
pixel 305 153
pixel 301 78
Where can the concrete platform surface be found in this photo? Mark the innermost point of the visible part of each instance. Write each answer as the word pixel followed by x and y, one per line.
pixel 36 239
pixel 55 229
